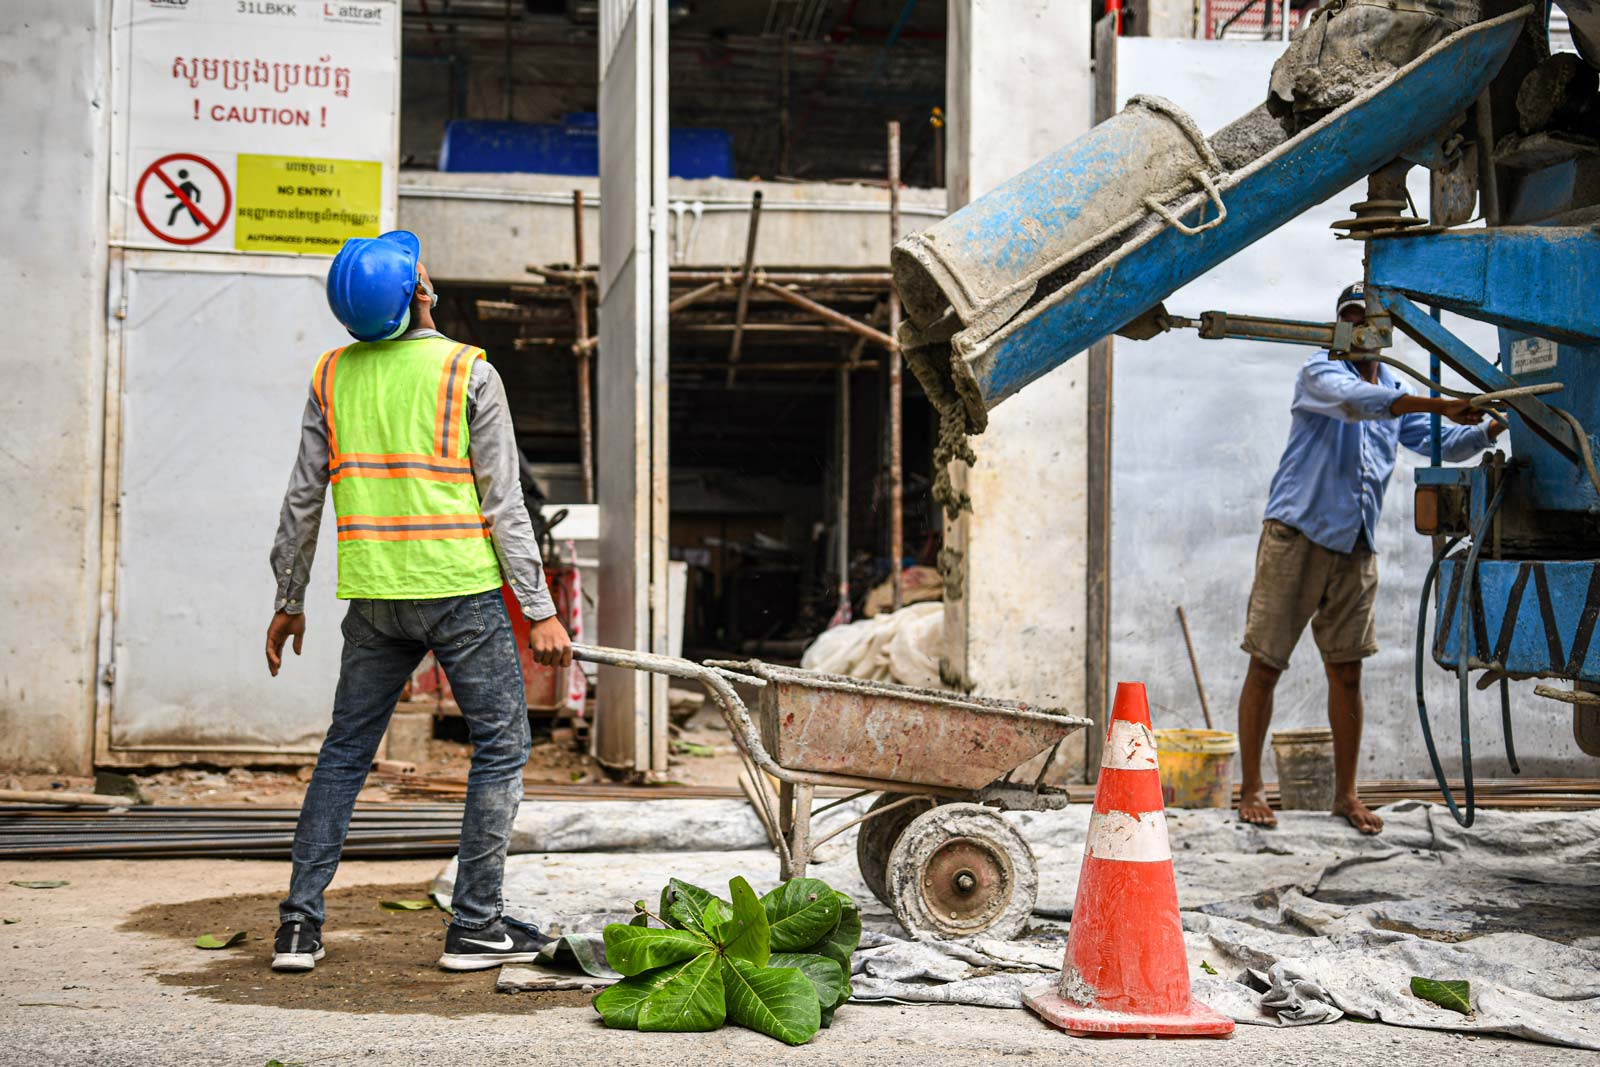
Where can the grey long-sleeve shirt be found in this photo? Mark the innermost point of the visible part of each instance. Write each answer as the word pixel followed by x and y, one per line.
pixel 495 470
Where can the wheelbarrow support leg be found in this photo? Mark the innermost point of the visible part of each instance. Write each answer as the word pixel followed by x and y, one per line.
pixel 796 800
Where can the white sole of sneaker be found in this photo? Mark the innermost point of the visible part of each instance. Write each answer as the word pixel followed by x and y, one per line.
pixel 297 961
pixel 478 961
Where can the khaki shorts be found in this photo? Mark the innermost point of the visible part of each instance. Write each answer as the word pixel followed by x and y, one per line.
pixel 1298 581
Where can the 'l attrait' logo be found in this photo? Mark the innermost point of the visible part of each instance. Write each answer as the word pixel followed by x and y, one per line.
pixel 356 13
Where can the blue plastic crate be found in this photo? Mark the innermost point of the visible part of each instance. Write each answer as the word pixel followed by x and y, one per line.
pixel 571 147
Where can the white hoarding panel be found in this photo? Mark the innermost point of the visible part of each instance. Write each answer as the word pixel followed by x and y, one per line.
pixel 215 379
pixel 252 126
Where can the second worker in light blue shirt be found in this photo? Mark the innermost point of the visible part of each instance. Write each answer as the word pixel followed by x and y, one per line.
pixel 1316 562
pixel 1343 437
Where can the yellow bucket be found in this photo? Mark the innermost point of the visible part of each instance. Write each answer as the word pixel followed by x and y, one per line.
pixel 1196 767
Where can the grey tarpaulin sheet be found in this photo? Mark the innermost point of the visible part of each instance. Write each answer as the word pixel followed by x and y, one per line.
pixel 1303 924
pixel 648 825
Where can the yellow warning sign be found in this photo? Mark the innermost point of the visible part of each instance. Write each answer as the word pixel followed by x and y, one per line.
pixel 297 204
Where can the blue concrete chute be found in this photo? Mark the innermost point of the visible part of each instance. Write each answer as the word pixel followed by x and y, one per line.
pixel 1077 247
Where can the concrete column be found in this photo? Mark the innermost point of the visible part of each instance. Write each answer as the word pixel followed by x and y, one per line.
pixel 53 236
pixel 1019 87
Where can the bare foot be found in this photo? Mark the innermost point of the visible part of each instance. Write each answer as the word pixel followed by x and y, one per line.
pixel 1359 815
pixel 1253 808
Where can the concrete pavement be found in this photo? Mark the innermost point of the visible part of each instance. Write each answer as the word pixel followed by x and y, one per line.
pixel 104 971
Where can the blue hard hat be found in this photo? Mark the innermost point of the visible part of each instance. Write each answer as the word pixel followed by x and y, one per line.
pixel 371 283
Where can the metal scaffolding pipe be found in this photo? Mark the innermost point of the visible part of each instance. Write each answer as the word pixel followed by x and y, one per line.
pixel 896 393
pixel 580 351
pixel 694 296
pixel 827 314
pixel 842 540
pixel 746 279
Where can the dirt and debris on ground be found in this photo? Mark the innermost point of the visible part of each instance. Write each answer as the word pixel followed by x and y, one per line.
pixel 379 961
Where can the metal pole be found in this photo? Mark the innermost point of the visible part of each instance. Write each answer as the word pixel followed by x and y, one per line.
pixel 746 279
pixel 783 109
pixel 1435 446
pixel 1194 665
pixel 896 472
pixel 690 276
pixel 510 92
pixel 694 296
pixel 842 613
pixel 827 314
pixel 1097 478
pixel 580 351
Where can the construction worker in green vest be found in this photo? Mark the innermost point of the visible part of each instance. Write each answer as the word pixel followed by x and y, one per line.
pixel 413 432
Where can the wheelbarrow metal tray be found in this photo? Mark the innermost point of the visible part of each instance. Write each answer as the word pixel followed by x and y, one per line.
pixel 835 725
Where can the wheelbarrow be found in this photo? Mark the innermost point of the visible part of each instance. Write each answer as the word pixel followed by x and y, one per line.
pixel 933 848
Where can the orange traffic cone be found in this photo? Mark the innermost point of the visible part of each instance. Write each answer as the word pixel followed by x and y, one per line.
pixel 1125 970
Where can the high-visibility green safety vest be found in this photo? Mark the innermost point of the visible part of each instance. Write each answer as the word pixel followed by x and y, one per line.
pixel 410 527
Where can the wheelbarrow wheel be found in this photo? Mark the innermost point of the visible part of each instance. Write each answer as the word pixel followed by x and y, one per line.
pixel 961 870
pixel 877 835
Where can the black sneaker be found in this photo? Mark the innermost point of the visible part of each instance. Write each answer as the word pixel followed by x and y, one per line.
pixel 502 941
pixel 297 947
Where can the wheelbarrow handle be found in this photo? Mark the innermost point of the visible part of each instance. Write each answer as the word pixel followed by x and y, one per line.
pixel 727 698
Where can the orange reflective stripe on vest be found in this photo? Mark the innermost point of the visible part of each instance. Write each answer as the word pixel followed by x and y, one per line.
pixel 399 465
pixel 452 394
pixel 411 527
pixel 322 380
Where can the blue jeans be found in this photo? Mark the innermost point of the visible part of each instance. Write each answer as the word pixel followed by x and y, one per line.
pixel 384 640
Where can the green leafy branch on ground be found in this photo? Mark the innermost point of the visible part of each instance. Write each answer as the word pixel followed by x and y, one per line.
pixel 779 964
pixel 1452 994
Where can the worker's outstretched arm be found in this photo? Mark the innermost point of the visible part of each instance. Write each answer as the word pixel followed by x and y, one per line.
pixel 1456 443
pixel 495 469
pixel 1330 387
pixel 296 543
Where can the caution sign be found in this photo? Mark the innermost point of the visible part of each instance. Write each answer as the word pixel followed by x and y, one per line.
pixel 183 199
pixel 283 116
pixel 300 204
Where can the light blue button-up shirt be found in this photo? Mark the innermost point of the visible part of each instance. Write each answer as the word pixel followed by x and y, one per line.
pixel 1341 451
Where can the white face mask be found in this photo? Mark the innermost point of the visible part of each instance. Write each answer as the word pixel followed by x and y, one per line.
pixel 405 324
pixel 405 320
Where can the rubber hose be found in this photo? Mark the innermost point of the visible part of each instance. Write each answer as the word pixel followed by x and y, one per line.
pixel 1463 669
pixel 1505 726
pixel 1422 700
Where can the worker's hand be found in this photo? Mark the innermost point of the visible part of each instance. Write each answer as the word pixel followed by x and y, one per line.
pixel 1460 411
pixel 550 643
pixel 1496 427
pixel 282 627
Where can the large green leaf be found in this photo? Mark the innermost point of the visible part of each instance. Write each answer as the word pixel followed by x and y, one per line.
pixel 780 1002
pixel 213 941
pixel 840 943
pixel 619 1005
pixel 800 912
pixel 689 999
pixel 832 985
pixel 689 907
pixel 745 936
pixel 1456 995
pixel 635 949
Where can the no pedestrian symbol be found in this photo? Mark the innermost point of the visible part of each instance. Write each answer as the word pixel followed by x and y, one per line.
pixel 183 199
